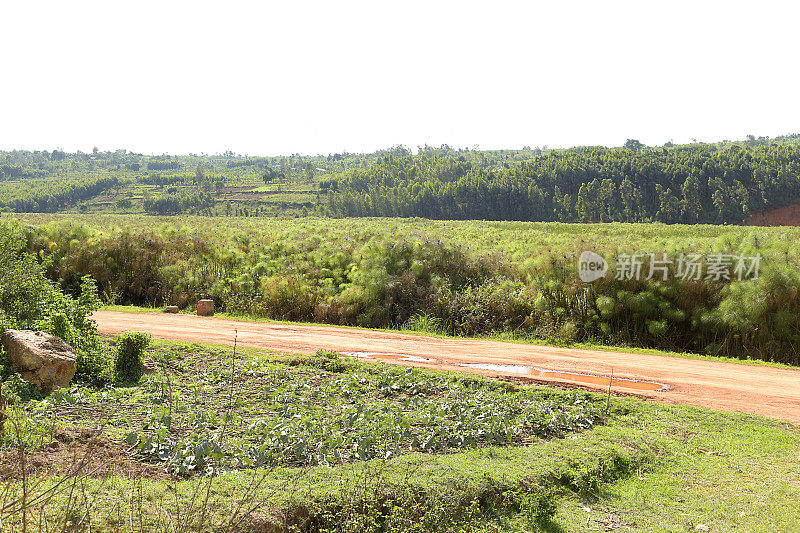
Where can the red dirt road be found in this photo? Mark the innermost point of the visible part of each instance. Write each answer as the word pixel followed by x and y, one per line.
pixel 771 392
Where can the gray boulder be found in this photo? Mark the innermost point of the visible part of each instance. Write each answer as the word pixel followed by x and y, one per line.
pixel 43 360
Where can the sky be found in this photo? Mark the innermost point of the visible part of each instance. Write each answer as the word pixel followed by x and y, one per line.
pixel 270 78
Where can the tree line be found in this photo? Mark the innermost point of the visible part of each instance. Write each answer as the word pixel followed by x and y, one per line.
pixel 174 203
pixel 49 196
pixel 680 185
pixel 12 172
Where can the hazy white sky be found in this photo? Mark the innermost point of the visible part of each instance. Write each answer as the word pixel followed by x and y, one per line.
pixel 322 77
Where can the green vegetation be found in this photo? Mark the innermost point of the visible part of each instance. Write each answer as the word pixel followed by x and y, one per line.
pixel 52 195
pixel 128 361
pixel 331 444
pixel 686 185
pixel 121 181
pixel 204 414
pixel 172 204
pixel 214 441
pixel 340 413
pixel 29 301
pixel 459 278
pixel 698 183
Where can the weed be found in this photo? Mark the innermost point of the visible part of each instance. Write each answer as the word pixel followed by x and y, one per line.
pixel 128 361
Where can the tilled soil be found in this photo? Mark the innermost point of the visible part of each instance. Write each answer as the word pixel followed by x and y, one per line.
pixel 79 452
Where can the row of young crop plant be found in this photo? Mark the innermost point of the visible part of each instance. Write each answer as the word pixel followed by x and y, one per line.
pixel 357 412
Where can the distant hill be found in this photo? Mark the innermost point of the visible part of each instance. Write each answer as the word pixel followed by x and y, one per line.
pixel 717 183
pixel 708 184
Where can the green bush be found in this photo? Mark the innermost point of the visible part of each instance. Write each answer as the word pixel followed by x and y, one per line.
pixel 128 362
pixel 29 301
pixel 17 390
pixel 327 354
pixel 95 368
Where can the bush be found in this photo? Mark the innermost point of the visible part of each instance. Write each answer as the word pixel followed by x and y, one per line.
pixel 493 306
pixel 29 301
pixel 128 363
pixel 327 354
pixel 16 390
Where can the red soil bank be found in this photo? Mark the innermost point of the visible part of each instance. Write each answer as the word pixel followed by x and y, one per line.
pixel 782 216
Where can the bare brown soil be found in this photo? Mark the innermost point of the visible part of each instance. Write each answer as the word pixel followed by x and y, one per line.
pixel 80 452
pixel 788 215
pixel 725 386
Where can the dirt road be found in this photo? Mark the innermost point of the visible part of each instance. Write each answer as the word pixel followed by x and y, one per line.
pixel 771 392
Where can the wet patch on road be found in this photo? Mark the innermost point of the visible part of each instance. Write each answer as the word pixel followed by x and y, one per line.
pixel 579 377
pixel 389 356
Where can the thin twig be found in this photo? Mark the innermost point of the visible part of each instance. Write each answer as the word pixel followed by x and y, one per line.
pixel 608 395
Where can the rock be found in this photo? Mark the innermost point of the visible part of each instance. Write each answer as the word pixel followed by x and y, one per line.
pixel 172 309
pixel 205 307
pixel 702 527
pixel 45 361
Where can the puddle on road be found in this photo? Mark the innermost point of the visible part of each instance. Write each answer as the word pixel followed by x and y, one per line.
pixel 579 377
pixel 389 356
pixel 515 369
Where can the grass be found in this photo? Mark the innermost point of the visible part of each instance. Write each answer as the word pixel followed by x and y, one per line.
pixel 648 467
pixel 726 472
pixel 519 241
pixel 132 309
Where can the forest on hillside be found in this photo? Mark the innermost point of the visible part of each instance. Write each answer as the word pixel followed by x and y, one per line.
pixel 224 184
pixel 692 185
pixel 719 183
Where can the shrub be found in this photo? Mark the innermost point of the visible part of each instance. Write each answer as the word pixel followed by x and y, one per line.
pixel 29 301
pixel 283 298
pixel 16 390
pixel 128 362
pixel 493 306
pixel 327 354
pixel 425 323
